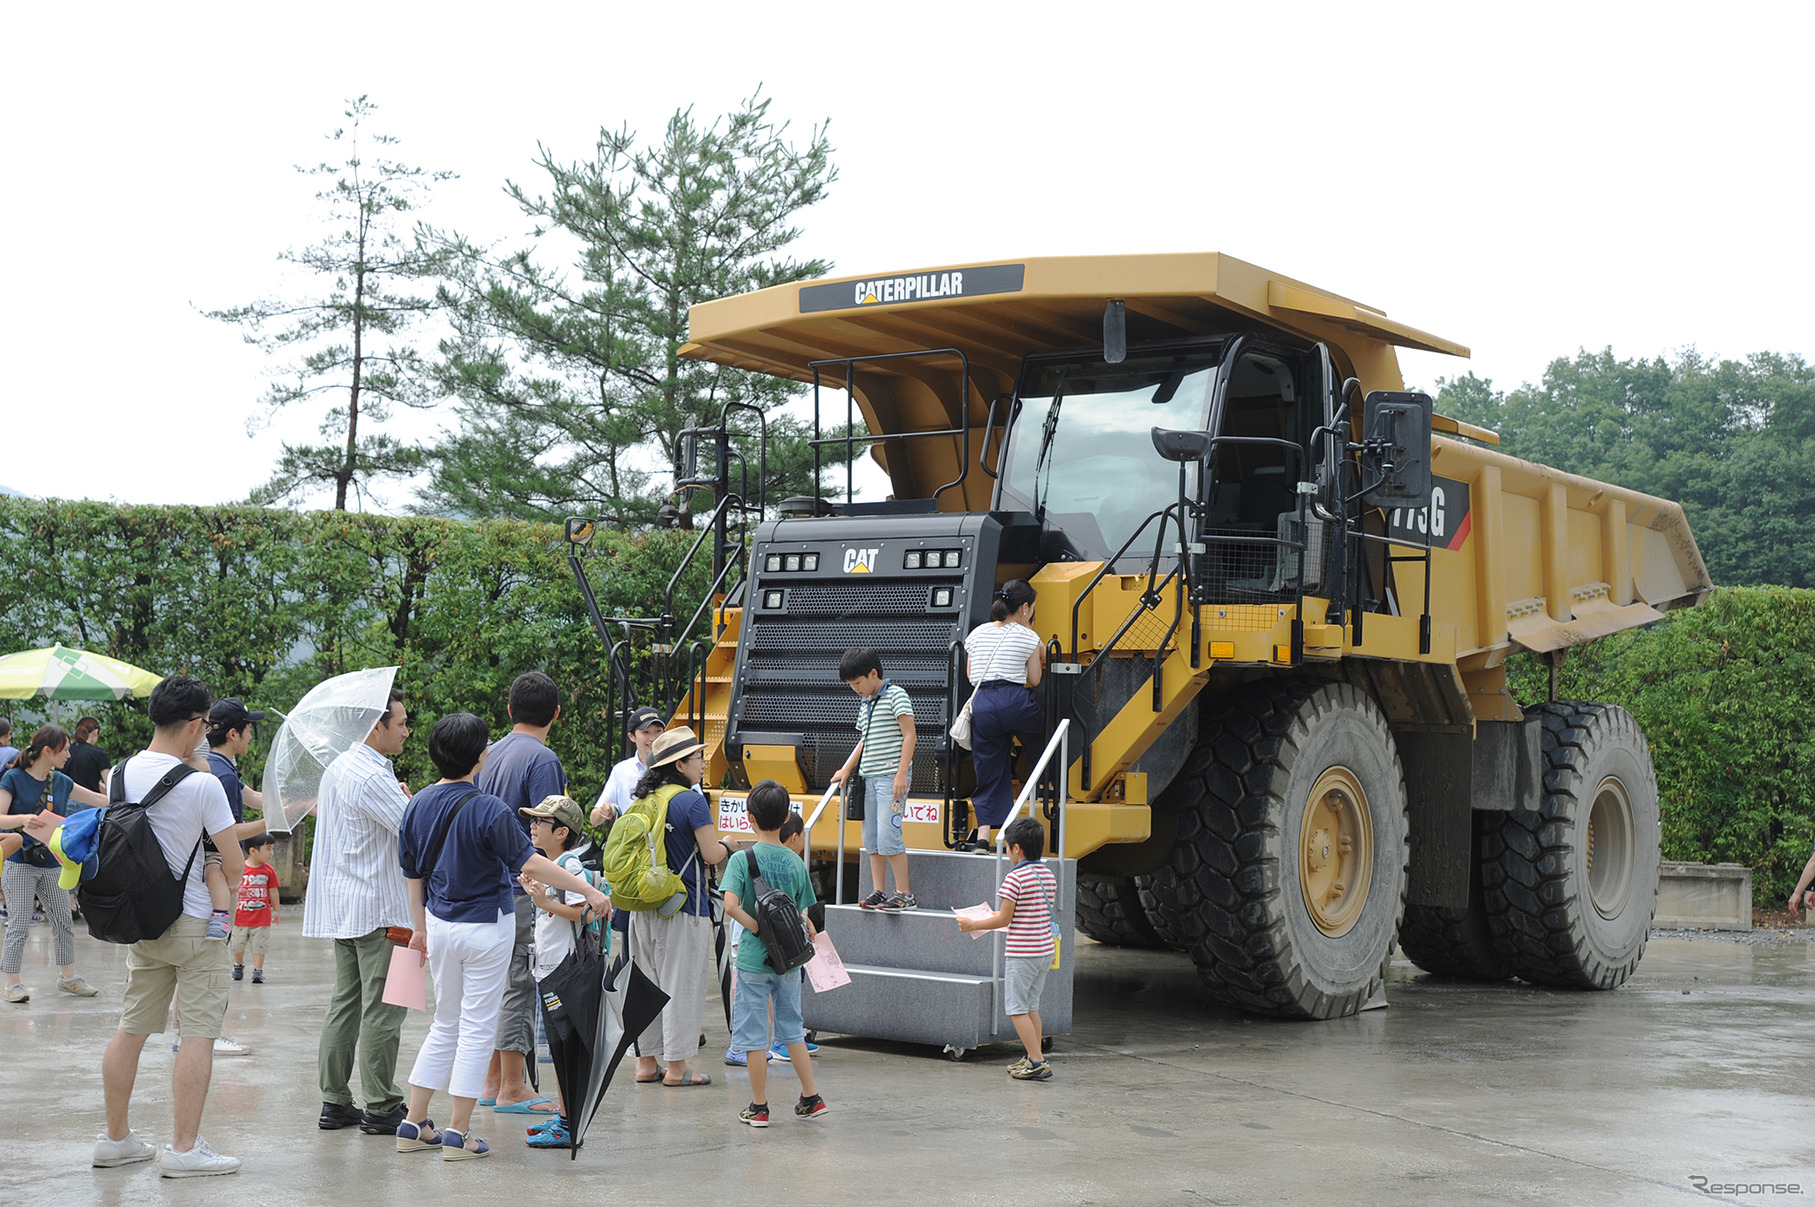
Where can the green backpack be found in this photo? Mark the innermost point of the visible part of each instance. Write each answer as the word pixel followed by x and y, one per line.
pixel 635 861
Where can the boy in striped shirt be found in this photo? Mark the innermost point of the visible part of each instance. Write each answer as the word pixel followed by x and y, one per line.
pixel 885 757
pixel 1029 895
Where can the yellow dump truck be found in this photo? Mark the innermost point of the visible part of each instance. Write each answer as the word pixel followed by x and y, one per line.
pixel 1278 595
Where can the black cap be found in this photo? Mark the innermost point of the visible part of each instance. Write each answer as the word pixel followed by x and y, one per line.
pixel 231 714
pixel 642 718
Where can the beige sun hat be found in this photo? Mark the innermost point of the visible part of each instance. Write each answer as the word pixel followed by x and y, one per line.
pixel 673 746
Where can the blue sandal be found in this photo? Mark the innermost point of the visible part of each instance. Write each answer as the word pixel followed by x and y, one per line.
pixel 526 1107
pixel 417 1137
pixel 453 1147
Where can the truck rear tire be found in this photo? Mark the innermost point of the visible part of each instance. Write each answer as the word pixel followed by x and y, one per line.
pixel 1109 911
pixel 1162 909
pixel 1457 944
pixel 1290 868
pixel 1571 887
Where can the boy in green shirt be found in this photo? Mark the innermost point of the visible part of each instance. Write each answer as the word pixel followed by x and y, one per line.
pixel 758 984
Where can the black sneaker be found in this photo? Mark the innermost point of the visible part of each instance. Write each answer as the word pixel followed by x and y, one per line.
pixel 381 1125
pixel 239 972
pixel 756 1114
pixel 258 976
pixel 334 1116
pixel 811 1108
pixel 898 902
pixel 874 900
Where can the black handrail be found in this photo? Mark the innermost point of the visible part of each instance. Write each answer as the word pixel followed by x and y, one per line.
pixel 849 441
pixel 1104 570
pixel 989 427
pixel 953 653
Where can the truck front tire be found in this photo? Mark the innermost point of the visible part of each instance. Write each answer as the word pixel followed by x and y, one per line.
pixel 1288 878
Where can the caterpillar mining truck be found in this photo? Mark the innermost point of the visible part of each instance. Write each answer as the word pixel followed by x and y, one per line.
pixel 1278 595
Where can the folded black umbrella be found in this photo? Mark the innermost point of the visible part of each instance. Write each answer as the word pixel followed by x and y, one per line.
pixel 573 998
pixel 721 950
pixel 631 1002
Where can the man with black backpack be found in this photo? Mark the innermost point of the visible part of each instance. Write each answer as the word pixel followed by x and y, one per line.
pixel 180 959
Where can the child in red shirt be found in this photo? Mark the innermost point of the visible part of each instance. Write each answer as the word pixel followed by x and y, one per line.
pixel 257 912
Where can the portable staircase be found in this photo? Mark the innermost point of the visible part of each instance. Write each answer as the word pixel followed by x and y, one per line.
pixel 915 977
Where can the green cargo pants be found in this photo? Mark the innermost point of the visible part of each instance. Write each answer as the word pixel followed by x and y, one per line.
pixel 359 1018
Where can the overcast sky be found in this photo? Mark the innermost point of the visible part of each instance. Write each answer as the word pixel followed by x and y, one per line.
pixel 1524 179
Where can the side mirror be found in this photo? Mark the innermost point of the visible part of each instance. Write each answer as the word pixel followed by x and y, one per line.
pixel 690 455
pixel 1115 332
pixel 1181 446
pixel 1396 449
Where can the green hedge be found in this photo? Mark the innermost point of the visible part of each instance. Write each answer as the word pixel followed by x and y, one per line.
pixel 1725 694
pixel 263 604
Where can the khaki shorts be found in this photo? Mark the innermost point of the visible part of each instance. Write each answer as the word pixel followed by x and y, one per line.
pixel 182 961
pixel 250 940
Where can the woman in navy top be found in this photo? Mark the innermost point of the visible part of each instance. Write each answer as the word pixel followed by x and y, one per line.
pixel 460 850
pixel 32 782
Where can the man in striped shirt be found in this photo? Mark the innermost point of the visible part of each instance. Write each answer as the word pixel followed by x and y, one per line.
pixel 1029 896
pixel 356 892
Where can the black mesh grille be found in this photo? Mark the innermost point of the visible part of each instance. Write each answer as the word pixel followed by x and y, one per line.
pixel 789 678
pixel 836 637
pixel 841 599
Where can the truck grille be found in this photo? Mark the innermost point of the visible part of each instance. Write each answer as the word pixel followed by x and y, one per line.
pixel 789 682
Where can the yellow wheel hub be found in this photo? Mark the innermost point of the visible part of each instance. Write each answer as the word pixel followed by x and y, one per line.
pixel 1336 851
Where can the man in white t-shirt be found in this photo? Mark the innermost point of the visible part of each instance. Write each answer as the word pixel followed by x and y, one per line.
pixel 181 960
pixel 645 727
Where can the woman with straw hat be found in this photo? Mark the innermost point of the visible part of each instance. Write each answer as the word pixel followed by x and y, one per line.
pixel 673 951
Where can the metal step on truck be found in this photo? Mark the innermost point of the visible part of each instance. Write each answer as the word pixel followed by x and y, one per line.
pixel 1277 592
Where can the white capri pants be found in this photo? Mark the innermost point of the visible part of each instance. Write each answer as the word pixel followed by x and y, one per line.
pixel 468 965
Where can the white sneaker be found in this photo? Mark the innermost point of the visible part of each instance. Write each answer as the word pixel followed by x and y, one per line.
pixel 198 1162
pixel 227 1047
pixel 109 1153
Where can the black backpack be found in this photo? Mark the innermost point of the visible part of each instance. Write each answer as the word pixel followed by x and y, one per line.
pixel 779 923
pixel 132 895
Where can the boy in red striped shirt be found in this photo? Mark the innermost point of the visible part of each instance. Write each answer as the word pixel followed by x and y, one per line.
pixel 1029 895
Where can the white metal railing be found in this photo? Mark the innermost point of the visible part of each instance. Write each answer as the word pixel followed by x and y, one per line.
pixel 1059 741
pixel 813 820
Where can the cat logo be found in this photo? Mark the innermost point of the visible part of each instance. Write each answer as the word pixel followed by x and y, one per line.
pixel 860 561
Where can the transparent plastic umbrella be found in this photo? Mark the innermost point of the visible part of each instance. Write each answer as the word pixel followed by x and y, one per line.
pixel 333 718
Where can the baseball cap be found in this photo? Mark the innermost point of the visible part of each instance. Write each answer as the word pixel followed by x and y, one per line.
pixel 642 718
pixel 231 714
pixel 562 810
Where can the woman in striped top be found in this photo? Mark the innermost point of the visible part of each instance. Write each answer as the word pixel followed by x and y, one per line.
pixel 1004 658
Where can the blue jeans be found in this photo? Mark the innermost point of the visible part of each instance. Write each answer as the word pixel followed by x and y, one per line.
pixel 750 1010
pixel 1000 713
pixel 881 824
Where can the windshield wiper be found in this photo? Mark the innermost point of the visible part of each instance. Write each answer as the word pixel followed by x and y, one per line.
pixel 1046 433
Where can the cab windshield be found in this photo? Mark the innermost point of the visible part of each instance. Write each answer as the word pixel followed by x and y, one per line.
pixel 1081 453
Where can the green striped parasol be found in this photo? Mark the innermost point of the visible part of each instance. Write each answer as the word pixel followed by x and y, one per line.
pixel 64 674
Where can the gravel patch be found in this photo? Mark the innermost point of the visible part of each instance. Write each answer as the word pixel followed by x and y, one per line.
pixel 1755 938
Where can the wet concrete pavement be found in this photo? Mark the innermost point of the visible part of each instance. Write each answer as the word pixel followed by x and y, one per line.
pixel 1704 1065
